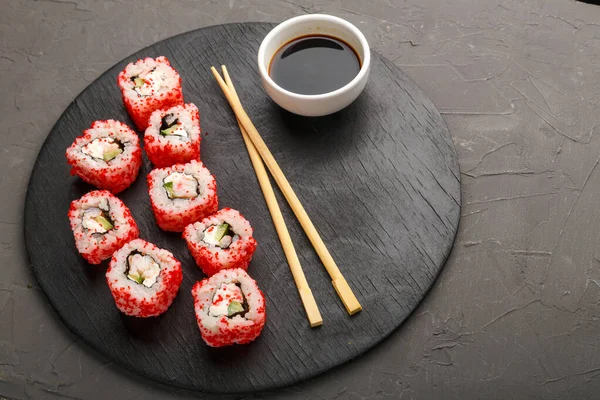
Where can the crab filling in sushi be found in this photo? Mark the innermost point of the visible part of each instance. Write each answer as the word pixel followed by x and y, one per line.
pixel 170 126
pixel 97 220
pixel 104 148
pixel 229 300
pixel 220 235
pixel 142 268
pixel 180 185
pixel 149 83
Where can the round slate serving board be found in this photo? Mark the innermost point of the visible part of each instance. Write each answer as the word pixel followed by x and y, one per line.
pixel 380 180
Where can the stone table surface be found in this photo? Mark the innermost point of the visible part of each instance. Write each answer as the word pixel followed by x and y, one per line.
pixel 514 314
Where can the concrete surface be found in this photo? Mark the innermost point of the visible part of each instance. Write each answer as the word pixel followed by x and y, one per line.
pixel 515 312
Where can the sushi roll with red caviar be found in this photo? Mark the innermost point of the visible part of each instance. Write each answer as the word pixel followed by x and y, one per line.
pixel 143 279
pixel 101 225
pixel 148 85
pixel 182 194
pixel 230 308
pixel 173 136
pixel 107 155
pixel 220 241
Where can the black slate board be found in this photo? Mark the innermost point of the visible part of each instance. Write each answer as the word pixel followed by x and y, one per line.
pixel 380 180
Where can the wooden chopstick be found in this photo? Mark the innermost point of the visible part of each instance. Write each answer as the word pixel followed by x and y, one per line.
pixel 337 279
pixel 308 300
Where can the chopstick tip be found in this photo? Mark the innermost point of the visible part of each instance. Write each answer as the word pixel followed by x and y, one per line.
pixel 345 293
pixel 355 310
pixel 314 324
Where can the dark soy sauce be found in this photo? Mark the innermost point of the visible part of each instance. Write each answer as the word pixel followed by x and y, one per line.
pixel 314 64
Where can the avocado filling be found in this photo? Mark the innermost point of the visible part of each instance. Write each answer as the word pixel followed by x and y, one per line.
pixel 138 82
pixel 220 235
pixel 229 300
pixel 179 185
pixel 170 126
pixel 96 220
pixel 105 148
pixel 142 268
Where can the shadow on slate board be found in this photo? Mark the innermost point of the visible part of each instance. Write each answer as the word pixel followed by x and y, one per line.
pixel 380 180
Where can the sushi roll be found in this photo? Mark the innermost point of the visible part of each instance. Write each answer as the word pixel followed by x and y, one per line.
pixel 143 279
pixel 173 136
pixel 230 308
pixel 101 225
pixel 182 194
pixel 107 155
pixel 148 85
pixel 220 241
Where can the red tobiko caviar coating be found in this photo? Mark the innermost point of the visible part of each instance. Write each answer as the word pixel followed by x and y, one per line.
pixel 212 259
pixel 209 261
pixel 140 107
pixel 94 247
pixel 115 175
pixel 135 299
pixel 223 330
pixel 163 151
pixel 168 154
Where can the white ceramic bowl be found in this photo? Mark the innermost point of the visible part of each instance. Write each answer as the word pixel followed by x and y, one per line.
pixel 316 24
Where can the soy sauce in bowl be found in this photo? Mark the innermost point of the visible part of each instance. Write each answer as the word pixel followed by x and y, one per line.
pixel 314 64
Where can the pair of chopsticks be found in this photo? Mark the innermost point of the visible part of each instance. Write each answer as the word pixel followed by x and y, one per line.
pixel 257 149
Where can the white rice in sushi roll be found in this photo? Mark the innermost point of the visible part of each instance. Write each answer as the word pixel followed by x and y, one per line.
pixel 222 240
pixel 143 279
pixel 101 224
pixel 230 308
pixel 173 136
pixel 148 85
pixel 182 194
pixel 107 155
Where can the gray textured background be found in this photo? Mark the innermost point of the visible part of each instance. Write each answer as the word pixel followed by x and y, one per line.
pixel 514 314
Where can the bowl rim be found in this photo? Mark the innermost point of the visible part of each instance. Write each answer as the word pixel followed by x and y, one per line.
pixel 366 62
